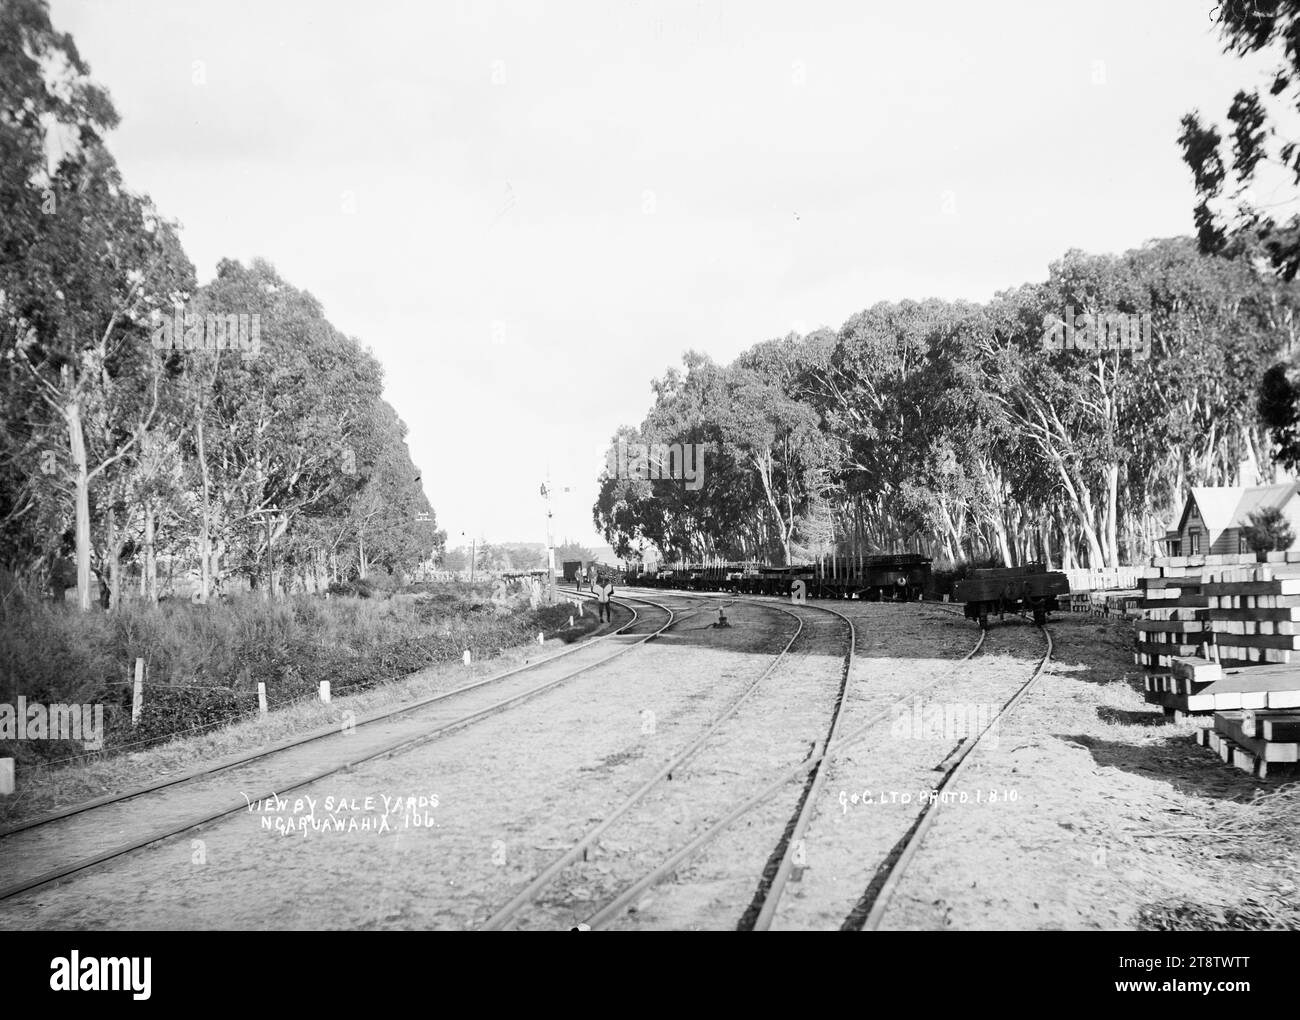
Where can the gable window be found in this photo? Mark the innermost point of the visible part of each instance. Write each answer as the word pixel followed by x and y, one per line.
pixel 1194 542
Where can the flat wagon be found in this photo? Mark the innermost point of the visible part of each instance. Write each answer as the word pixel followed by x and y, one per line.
pixel 1029 588
pixel 901 576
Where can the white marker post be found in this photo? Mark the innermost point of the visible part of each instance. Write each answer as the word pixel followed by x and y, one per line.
pixel 465 657
pixel 540 640
pixel 261 698
pixel 137 695
pixel 325 692
pixel 6 777
pixel 570 622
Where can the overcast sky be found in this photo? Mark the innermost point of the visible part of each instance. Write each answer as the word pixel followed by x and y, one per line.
pixel 529 210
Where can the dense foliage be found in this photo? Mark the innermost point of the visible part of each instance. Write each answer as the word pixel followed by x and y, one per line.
pixel 275 462
pixel 1006 430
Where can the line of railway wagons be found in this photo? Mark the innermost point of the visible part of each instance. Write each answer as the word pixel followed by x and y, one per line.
pixel 903 577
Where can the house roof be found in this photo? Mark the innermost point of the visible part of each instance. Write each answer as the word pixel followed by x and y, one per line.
pixel 1259 497
pixel 1229 506
pixel 1217 505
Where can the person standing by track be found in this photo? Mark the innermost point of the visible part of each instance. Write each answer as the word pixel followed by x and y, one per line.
pixel 603 589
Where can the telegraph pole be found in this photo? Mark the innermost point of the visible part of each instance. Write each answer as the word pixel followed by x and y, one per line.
pixel 473 553
pixel 550 536
pixel 550 541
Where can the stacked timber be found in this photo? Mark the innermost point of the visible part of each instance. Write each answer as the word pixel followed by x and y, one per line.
pixel 1173 583
pixel 1250 611
pixel 1255 740
pixel 1185 690
pixel 1220 637
pixel 1163 634
pixel 1254 613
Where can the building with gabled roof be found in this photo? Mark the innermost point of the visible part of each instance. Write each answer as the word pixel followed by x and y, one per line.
pixel 1214 518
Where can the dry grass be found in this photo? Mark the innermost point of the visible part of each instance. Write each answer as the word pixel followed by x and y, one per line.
pixel 1263 832
pixel 44 789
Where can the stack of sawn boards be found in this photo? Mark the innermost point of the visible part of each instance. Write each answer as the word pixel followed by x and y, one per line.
pixel 1221 644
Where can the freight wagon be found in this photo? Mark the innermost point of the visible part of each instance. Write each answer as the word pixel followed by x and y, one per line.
pixel 903 577
pixel 1029 588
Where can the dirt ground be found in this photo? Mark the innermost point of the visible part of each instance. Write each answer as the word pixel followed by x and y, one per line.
pixel 1121 820
pixel 1089 810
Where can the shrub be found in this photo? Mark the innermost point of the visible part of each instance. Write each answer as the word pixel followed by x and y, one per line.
pixel 1267 530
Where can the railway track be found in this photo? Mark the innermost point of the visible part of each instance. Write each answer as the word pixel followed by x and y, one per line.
pixel 194 774
pixel 512 910
pixel 869 912
pixel 782 863
pixel 32 843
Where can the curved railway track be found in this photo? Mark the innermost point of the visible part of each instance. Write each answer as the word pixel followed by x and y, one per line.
pixel 869 912
pixel 407 742
pixel 812 770
pixel 517 904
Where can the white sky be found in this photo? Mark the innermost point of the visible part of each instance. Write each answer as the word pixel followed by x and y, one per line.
pixel 528 210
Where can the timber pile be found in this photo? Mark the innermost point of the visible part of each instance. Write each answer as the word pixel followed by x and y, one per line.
pixel 1172 622
pixel 1255 741
pixel 1174 582
pixel 1163 634
pixel 1245 612
pixel 1250 717
pixel 1220 637
pixel 1254 613
pixel 1186 690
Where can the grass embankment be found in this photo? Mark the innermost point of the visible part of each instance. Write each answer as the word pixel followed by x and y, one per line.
pixel 203 665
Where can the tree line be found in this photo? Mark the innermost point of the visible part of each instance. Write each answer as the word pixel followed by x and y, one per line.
pixel 128 446
pixel 1032 427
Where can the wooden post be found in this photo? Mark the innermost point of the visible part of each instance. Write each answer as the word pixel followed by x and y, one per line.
pixel 325 692
pixel 570 621
pixel 137 696
pixel 6 777
pixel 261 697
pixel 465 657
pixel 540 640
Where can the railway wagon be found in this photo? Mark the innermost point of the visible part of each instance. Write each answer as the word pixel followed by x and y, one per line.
pixel 777 580
pixel 736 578
pixel 1003 590
pixel 571 568
pixel 902 576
